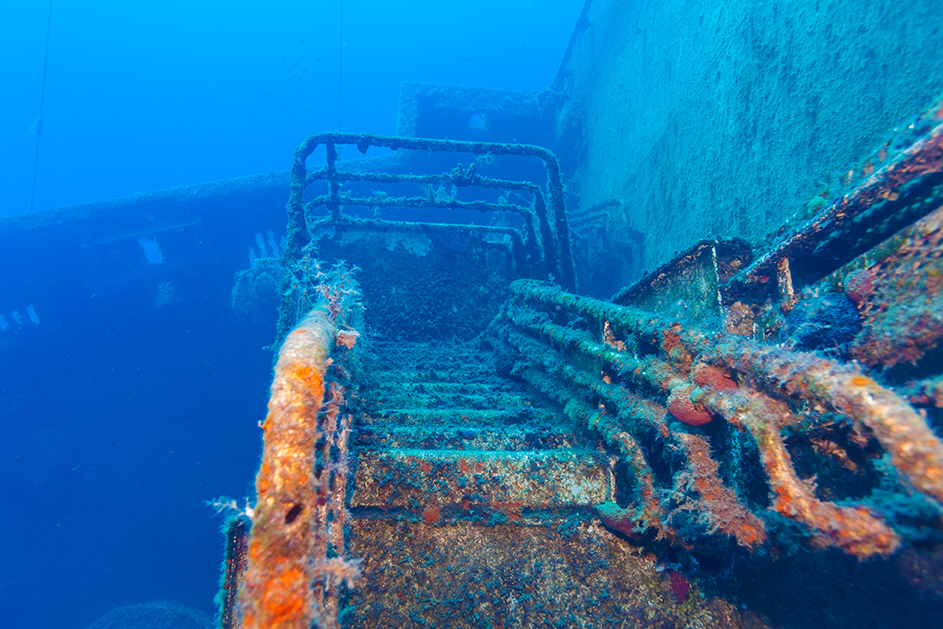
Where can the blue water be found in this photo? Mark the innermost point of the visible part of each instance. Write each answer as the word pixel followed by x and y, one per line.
pixel 116 427
pixel 146 95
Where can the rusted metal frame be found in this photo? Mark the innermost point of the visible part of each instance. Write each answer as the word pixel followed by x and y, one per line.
pixel 333 201
pixel 551 375
pixel 531 257
pixel 555 184
pixel 419 202
pixel 558 249
pixel 914 449
pixel 442 179
pixel 535 248
pixel 331 471
pixel 439 178
pixel 855 529
pixel 646 372
pixel 296 238
pixel 235 562
pixel 886 186
pixel 646 326
pixel 724 509
pixel 662 277
pixel 647 512
pixel 282 549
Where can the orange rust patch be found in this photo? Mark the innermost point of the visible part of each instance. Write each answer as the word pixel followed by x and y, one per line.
pixel 513 512
pixel 305 373
pixel 671 344
pixel 431 515
pixel 284 596
pixel 749 534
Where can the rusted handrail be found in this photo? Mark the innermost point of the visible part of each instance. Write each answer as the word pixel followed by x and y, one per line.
pixel 904 188
pixel 554 238
pixel 296 545
pixel 642 378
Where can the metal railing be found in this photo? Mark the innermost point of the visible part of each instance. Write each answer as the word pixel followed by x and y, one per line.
pixel 703 420
pixel 547 244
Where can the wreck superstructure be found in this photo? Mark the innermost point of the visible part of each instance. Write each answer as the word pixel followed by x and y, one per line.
pixel 645 348
pixel 685 414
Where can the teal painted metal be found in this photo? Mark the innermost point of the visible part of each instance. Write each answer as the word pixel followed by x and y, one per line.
pixel 546 245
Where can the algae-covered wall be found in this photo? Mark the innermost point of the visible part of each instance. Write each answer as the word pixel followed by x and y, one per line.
pixel 687 119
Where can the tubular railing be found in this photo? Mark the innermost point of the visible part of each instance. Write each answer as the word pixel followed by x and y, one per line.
pixel 704 421
pixel 296 548
pixel 547 244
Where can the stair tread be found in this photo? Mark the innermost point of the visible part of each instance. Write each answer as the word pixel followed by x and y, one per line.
pixel 465 436
pixel 439 427
pixel 452 416
pixel 406 477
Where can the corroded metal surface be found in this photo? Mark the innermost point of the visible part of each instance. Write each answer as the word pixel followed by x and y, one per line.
pixel 233 576
pixel 467 575
pixel 897 189
pixel 296 549
pixel 522 479
pixel 443 438
pixel 644 428
pixel 633 374
pixel 689 285
pixel 430 282
pixel 546 238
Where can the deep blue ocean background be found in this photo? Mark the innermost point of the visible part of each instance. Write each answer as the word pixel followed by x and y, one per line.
pixel 117 427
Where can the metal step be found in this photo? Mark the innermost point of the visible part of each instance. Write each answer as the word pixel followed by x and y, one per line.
pixel 426 396
pixel 384 435
pixel 462 444
pixel 459 372
pixel 537 479
pixel 456 417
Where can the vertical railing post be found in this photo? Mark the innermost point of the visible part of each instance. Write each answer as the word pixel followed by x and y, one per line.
pixel 334 202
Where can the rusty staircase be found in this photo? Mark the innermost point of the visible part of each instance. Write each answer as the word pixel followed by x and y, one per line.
pixel 473 502
pixel 443 437
pixel 448 493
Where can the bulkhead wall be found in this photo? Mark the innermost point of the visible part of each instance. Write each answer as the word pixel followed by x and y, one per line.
pixel 687 119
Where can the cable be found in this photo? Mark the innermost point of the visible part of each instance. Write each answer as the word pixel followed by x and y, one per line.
pixel 340 68
pixel 39 121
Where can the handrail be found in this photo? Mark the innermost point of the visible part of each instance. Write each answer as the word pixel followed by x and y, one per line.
pixel 554 240
pixel 648 384
pixel 296 547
